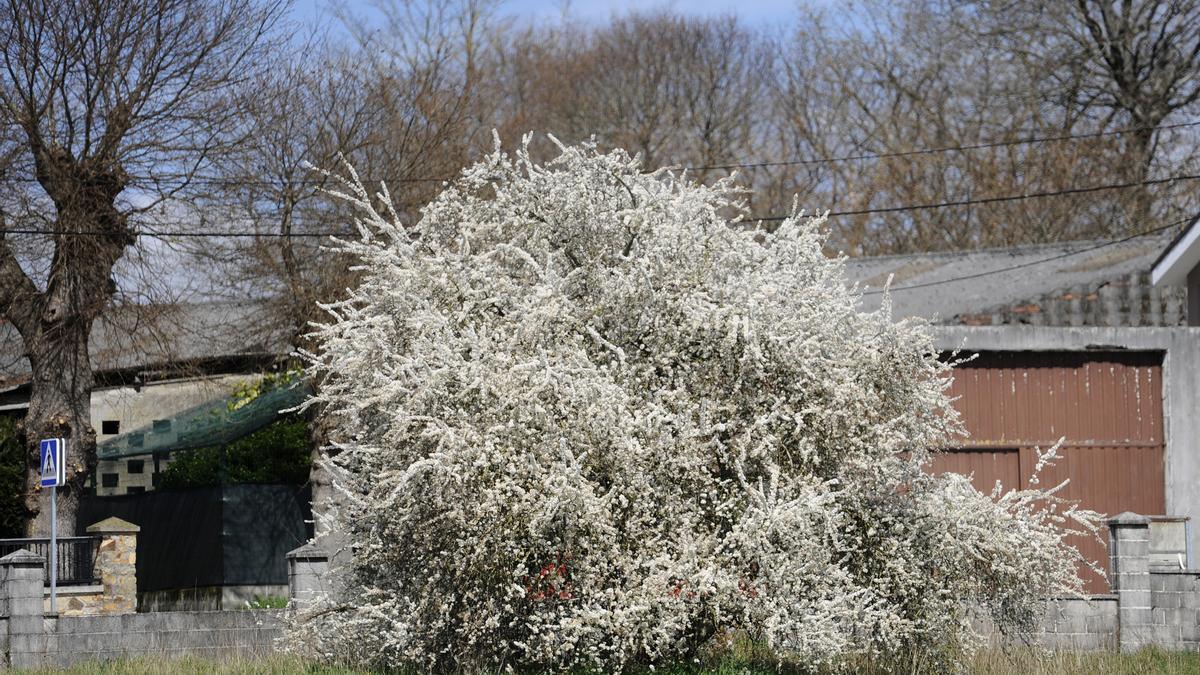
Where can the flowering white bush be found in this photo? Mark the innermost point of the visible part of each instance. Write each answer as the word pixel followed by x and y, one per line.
pixel 585 419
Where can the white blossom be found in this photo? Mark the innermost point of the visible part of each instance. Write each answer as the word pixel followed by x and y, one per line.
pixel 587 419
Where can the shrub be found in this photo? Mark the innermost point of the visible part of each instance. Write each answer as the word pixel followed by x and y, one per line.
pixel 587 418
pixel 279 453
pixel 12 480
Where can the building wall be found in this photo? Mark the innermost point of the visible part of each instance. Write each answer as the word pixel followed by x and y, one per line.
pixel 1068 623
pixel 136 410
pixel 157 635
pixel 1180 391
pixel 1104 406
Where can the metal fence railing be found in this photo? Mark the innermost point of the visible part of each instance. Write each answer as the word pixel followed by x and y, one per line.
pixel 76 559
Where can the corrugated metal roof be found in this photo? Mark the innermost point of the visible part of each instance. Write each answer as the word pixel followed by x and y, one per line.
pixel 147 336
pixel 1069 283
pixel 1009 285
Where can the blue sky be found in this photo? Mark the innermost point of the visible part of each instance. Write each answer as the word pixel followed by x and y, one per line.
pixel 761 12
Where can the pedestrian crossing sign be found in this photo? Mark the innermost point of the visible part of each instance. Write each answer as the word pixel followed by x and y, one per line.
pixel 54 461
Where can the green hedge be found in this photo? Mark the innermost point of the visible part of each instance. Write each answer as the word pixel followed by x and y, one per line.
pixel 276 454
pixel 12 480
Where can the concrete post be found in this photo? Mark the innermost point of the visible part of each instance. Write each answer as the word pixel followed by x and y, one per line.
pixel 116 564
pixel 1129 574
pixel 22 576
pixel 308 572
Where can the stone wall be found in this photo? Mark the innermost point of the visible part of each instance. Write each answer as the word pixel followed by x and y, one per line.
pixel 116 567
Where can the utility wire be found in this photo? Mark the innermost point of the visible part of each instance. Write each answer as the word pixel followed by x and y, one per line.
pixel 758 219
pixel 1032 140
pixel 997 199
pixel 896 289
pixel 950 148
pixel 1031 263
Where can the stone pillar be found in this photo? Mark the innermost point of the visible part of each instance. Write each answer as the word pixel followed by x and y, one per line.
pixel 1129 574
pixel 116 564
pixel 308 574
pixel 22 576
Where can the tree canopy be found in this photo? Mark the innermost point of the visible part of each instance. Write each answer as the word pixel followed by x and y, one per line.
pixel 586 418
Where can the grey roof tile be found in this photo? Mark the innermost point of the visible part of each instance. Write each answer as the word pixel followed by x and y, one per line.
pixel 947 287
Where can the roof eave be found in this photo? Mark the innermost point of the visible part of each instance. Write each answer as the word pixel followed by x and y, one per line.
pixel 1179 258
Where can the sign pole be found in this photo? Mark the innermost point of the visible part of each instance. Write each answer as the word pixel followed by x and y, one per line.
pixel 54 550
pixel 54 470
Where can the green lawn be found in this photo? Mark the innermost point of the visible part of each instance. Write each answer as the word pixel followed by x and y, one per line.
pixel 986 663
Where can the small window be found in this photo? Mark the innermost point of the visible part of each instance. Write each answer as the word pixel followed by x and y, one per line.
pixel 161 426
pixel 109 480
pixel 136 466
pixel 135 490
pixel 110 427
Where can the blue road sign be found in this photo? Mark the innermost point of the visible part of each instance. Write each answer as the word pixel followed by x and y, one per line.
pixel 54 461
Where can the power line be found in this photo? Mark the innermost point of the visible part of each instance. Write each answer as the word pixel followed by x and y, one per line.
pixel 242 182
pixel 995 200
pixel 949 148
pixel 832 214
pixel 1031 263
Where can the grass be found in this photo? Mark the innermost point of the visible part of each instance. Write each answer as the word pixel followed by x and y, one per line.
pixel 991 662
pixel 156 665
pixel 1086 663
pixel 266 602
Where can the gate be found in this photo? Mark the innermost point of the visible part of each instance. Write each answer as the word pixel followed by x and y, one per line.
pixel 1108 406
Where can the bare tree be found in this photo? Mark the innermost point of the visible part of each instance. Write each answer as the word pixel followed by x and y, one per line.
pixel 678 90
pixel 913 89
pixel 110 108
pixel 306 109
pixel 401 100
pixel 1121 63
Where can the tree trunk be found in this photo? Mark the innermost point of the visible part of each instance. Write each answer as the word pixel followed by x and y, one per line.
pixel 59 407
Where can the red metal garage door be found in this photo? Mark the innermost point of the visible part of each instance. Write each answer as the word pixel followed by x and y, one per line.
pixel 1107 405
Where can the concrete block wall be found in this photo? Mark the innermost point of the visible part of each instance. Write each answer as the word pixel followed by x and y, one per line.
pixel 1153 604
pixel 308 577
pixel 1175 608
pixel 1084 624
pixel 31 638
pixel 217 635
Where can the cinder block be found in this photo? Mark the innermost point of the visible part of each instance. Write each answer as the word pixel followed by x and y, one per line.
pixel 1189 631
pixel 174 621
pixel 1135 599
pixel 1172 581
pixel 1101 623
pixel 1131 617
pixel 1167 637
pixel 1165 599
pixel 143 622
pixel 1177 617
pixel 25 624
pixel 1133 565
pixel 71 625
pixel 96 641
pixel 139 642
